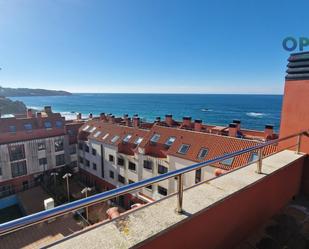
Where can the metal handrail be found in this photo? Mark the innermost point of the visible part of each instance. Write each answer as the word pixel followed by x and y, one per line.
pixel 104 196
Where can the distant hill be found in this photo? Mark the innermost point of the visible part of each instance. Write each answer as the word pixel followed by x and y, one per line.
pixel 21 92
pixel 8 106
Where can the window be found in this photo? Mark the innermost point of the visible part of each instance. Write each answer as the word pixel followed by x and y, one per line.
pixel 86 128
pixel 42 161
pixel 94 166
pixel 148 164
pixel 94 152
pixel 253 157
pixel 93 129
pixel 155 138
pixel 132 166
pixel 41 145
pixel 111 158
pixel 111 174
pixel 162 169
pixel 87 163
pixel 228 162
pixel 81 160
pixel 59 144
pixel 198 175
pixel 12 128
pixel 97 134
pixel 17 152
pixel 184 149
pixel 19 168
pixel 28 127
pixel 130 181
pixel 203 153
pixel 127 138
pixel 60 160
pixel 72 149
pixel 47 124
pixel 162 191
pixel 149 187
pixel 105 136
pixel 87 148
pixel 80 146
pixel 114 139
pixel 120 161
pixel 0 171
pixel 138 140
pixel 121 179
pixel 71 132
pixel 59 124
pixel 170 141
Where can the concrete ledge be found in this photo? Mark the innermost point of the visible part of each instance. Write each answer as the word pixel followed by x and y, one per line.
pixel 217 213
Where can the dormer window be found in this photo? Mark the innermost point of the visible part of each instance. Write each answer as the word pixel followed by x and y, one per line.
pixel 253 157
pixel 138 140
pixel 86 127
pixel 47 124
pixel 114 139
pixel 97 134
pixel 203 153
pixel 28 127
pixel 170 141
pixel 155 138
pixel 127 138
pixel 184 149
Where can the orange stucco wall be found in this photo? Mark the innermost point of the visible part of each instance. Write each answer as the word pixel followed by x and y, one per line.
pixel 295 111
pixel 227 223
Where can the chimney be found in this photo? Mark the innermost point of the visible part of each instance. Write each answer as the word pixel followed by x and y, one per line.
pixel 233 130
pixel 197 124
pixel 136 122
pixel 128 121
pixel 294 115
pixel 90 116
pixel 112 119
pixel 169 119
pixel 79 116
pixel 269 131
pixel 237 121
pixel 39 119
pixel 48 109
pixel 186 121
pixel 158 119
pixel 29 113
pixel 103 116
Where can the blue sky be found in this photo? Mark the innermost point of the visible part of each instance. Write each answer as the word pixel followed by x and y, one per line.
pixel 148 45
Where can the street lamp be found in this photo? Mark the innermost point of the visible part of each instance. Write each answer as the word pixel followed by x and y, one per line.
pixel 85 191
pixel 66 176
pixel 54 174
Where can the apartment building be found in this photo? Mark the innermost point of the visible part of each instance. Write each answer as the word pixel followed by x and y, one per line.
pixel 32 145
pixel 117 151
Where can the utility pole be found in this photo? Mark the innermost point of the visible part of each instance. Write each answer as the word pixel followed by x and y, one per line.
pixel 85 191
pixel 67 176
pixel 54 174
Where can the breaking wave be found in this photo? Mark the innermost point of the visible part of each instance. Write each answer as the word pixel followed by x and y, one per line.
pixel 256 114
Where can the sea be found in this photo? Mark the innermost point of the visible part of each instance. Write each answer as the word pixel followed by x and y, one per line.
pixel 254 111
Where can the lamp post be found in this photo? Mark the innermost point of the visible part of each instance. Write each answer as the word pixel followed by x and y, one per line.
pixel 54 174
pixel 67 176
pixel 85 191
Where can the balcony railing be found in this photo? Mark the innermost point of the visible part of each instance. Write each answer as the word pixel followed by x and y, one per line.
pixel 42 216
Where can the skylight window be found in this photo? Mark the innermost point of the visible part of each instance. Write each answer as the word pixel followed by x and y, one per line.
pixel 203 153
pixel 97 134
pixel 155 138
pixel 93 129
pixel 114 139
pixel 253 157
pixel 86 128
pixel 170 141
pixel 228 162
pixel 138 140
pixel 127 138
pixel 28 127
pixel 184 149
pixel 105 136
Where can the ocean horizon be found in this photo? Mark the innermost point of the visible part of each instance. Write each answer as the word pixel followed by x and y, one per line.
pixel 254 110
